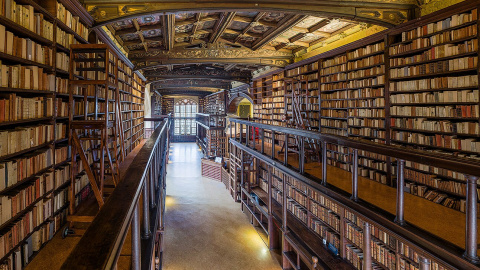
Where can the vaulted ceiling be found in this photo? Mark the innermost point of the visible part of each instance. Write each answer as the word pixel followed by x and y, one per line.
pixel 223 41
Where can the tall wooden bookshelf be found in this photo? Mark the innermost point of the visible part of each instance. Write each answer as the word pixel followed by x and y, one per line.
pixel 34 153
pixel 414 85
pixel 322 223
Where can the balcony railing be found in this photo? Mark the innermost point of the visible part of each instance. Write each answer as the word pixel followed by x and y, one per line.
pixel 250 138
pixel 137 202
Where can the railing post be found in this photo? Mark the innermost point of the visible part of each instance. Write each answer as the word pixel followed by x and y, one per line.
pixel 247 135
pixel 273 144
pixel 400 192
pixel 262 137
pixel 367 252
pixel 152 187
pixel 235 131
pixel 471 220
pixel 355 175
pixel 285 151
pixel 241 133
pixel 146 212
pixel 136 252
pixel 424 263
pixel 301 155
pixel 253 136
pixel 324 163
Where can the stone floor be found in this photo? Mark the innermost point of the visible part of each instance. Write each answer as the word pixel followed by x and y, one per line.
pixel 205 228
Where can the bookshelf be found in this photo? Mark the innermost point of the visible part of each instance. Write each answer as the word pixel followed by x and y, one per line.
pixel 414 85
pixel 34 112
pixel 319 222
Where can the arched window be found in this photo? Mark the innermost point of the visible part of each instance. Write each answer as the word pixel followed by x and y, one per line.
pixel 184 113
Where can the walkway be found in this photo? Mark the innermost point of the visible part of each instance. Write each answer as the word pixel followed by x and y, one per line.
pixel 205 229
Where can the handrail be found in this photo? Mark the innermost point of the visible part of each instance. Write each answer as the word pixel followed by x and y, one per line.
pixel 244 138
pixel 100 246
pixel 450 162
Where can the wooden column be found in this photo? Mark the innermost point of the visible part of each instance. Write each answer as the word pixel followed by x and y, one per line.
pixel 400 192
pixel 324 163
pixel 471 220
pixel 136 251
pixel 367 252
pixel 355 175
pixel 146 211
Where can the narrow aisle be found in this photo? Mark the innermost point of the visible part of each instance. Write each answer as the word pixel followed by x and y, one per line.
pixel 205 228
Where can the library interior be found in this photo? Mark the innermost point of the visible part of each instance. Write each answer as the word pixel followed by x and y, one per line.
pixel 239 135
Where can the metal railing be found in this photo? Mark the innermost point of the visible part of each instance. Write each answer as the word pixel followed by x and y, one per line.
pixel 250 137
pixel 140 194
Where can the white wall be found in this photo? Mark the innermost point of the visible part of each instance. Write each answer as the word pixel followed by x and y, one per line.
pixel 148 106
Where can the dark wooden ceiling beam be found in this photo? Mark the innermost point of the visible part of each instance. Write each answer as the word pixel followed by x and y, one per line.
pixel 198 16
pixel 140 34
pixel 146 40
pixel 133 30
pixel 333 34
pixel 288 22
pixel 248 20
pixel 169 31
pixel 250 25
pixel 318 25
pixel 221 25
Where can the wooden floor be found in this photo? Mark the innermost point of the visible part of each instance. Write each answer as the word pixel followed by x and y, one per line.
pixel 437 219
pixel 56 251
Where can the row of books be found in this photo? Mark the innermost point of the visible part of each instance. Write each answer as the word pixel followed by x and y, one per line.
pixel 435 83
pixel 71 21
pixel 325 233
pixel 19 108
pixel 454 20
pixel 66 39
pixel 366 122
pixel 366 72
pixel 16 170
pixel 366 62
pixel 297 210
pixel 22 138
pixel 437 52
pixel 437 67
pixel 439 126
pixel 25 48
pixel 383 255
pixel 369 49
pixel 302 69
pixel 326 215
pixel 25 16
pixel 373 102
pixel 354 234
pixel 26 77
pixel 333 78
pixel 437 97
pixel 442 141
pixel 446 37
pixel 356 112
pixel 436 182
pixel 457 111
pixel 333 69
pixel 333 123
pixel 334 61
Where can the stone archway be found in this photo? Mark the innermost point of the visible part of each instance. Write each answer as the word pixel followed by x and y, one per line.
pixel 235 100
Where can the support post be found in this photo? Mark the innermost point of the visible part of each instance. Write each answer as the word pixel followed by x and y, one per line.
pixel 324 163
pixel 355 175
pixel 136 252
pixel 153 184
pixel 367 252
pixel 400 192
pixel 241 133
pixel 301 155
pixel 471 220
pixel 262 137
pixel 285 151
pixel 146 212
pixel 273 144
pixel 424 263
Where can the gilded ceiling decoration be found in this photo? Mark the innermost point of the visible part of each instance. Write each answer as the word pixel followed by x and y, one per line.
pixel 174 39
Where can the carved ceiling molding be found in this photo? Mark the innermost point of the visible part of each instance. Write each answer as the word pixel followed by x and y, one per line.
pixel 216 53
pixel 382 12
pixel 189 83
pixel 190 92
pixel 198 73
